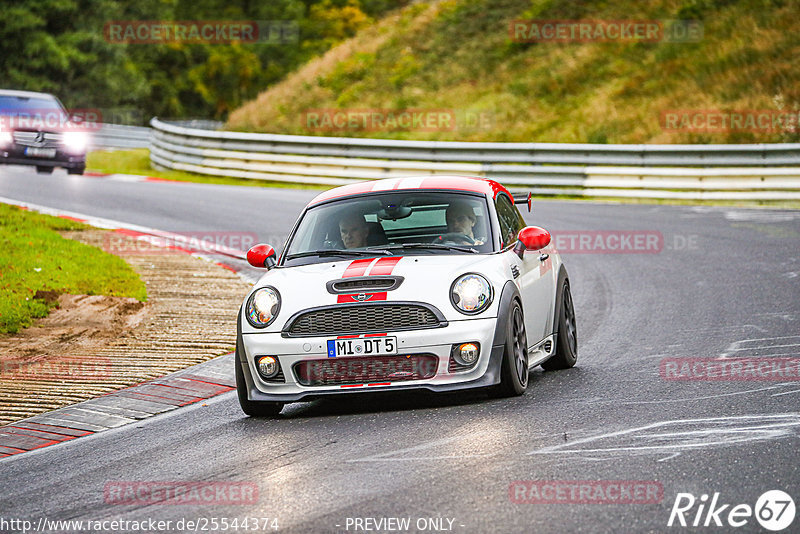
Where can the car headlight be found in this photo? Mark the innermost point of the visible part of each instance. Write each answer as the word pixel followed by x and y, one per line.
pixel 75 141
pixel 5 138
pixel 471 293
pixel 263 306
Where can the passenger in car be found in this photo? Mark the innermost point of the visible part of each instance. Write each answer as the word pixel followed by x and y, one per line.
pixel 354 230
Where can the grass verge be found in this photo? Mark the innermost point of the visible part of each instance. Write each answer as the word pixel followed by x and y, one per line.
pixel 458 56
pixel 34 257
pixel 137 161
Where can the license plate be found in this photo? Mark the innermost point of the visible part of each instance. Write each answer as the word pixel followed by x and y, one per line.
pixel 362 346
pixel 40 152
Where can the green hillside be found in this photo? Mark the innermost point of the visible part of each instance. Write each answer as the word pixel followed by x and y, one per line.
pixel 458 57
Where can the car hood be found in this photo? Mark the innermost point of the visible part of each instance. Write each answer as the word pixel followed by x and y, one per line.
pixel 426 278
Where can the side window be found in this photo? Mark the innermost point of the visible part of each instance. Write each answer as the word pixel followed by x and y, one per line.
pixel 510 220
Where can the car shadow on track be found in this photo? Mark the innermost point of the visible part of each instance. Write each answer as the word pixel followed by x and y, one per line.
pixel 364 403
pixel 399 401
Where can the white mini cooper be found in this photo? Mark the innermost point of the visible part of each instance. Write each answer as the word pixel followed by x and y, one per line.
pixel 409 283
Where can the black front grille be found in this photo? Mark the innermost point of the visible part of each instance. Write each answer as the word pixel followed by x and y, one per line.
pixel 363 319
pixel 336 371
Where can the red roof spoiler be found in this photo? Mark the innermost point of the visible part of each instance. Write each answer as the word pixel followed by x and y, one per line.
pixel 522 198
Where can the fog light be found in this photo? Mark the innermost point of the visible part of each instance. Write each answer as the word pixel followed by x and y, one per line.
pixel 467 353
pixel 268 366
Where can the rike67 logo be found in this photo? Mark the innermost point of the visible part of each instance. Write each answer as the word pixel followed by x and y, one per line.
pixel 774 510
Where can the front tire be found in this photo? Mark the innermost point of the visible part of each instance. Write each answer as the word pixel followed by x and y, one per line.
pixel 514 369
pixel 567 339
pixel 253 409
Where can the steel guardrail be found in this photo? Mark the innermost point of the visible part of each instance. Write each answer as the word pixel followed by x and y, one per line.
pixel 119 136
pixel 754 171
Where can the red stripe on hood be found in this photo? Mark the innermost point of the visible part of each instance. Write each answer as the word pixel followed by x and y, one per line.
pixel 384 266
pixel 357 267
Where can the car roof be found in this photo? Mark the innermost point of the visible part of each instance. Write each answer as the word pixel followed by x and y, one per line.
pixel 24 94
pixel 431 182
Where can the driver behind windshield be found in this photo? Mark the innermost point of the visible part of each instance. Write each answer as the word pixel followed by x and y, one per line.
pixel 354 230
pixel 461 219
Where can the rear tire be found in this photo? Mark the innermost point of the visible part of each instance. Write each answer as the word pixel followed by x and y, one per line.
pixel 514 368
pixel 76 171
pixel 42 169
pixel 567 339
pixel 253 409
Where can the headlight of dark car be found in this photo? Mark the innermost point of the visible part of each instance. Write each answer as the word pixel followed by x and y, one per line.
pixel 75 142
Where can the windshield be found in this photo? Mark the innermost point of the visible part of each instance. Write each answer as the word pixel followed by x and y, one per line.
pixel 12 105
pixel 410 222
pixel 31 113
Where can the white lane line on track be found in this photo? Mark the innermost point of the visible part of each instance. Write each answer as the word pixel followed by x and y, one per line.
pixel 760 344
pixel 711 432
pixel 785 393
pixel 759 216
pixel 125 178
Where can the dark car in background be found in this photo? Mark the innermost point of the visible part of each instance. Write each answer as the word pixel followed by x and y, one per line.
pixel 36 129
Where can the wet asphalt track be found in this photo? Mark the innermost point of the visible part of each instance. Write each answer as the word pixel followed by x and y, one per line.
pixel 727 282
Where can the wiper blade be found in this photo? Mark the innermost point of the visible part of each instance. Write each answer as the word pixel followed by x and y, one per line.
pixel 337 252
pixel 430 246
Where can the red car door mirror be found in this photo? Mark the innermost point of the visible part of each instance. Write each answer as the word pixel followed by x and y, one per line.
pixel 261 256
pixel 534 237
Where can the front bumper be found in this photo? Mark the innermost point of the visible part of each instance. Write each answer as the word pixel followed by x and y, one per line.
pixel 16 156
pixel 437 341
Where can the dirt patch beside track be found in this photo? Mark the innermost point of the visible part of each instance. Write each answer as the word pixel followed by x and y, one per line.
pixel 92 345
pixel 80 321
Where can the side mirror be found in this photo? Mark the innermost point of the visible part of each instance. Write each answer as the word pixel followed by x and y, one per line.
pixel 533 238
pixel 261 256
